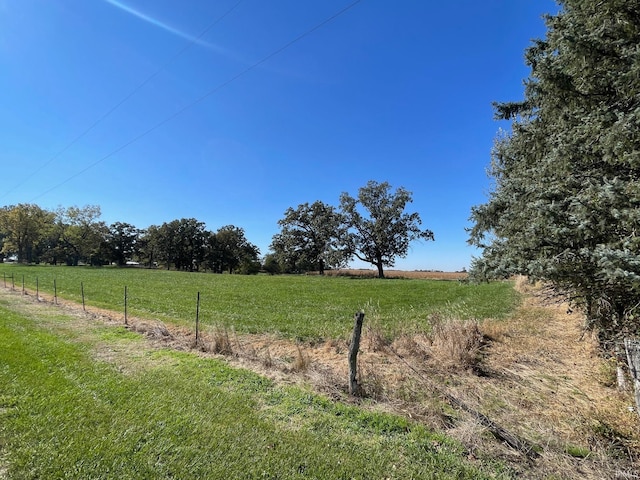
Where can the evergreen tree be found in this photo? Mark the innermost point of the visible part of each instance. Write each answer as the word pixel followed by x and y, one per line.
pixel 565 206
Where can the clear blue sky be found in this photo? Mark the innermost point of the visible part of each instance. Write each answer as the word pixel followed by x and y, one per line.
pixel 396 91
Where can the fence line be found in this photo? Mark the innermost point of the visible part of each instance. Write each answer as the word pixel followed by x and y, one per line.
pixel 83 299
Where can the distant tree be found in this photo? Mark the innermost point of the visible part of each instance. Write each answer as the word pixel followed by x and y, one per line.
pixel 181 243
pixel 271 264
pixel 23 228
pixel 379 230
pixel 289 260
pixel 250 263
pixel 310 238
pixel 229 250
pixel 163 240
pixel 214 255
pixel 52 246
pixel 3 236
pixel 190 242
pixel 81 235
pixel 148 246
pixel 122 242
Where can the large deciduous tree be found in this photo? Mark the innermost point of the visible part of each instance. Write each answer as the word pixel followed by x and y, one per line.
pixel 122 242
pixel 23 228
pixel 181 243
pixel 149 245
pixel 229 250
pixel 379 229
pixel 565 206
pixel 190 244
pixel 81 236
pixel 310 238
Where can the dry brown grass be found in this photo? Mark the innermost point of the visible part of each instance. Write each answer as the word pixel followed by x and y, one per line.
pixel 219 341
pixel 375 338
pixel 154 330
pixel 267 361
pixel 456 344
pixel 372 381
pixel 416 346
pixel 301 361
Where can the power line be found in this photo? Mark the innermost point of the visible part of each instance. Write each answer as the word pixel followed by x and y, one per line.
pixel 203 97
pixel 187 46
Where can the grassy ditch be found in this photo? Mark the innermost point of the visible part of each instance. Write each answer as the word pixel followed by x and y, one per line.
pixel 91 401
pixel 302 307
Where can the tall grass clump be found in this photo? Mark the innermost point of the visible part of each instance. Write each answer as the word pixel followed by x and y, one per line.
pixel 220 342
pixel 455 344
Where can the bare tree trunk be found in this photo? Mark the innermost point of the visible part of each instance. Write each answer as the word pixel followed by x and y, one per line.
pixel 632 346
pixel 354 388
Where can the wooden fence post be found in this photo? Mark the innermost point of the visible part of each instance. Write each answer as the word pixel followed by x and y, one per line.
pixel 354 388
pixel 23 291
pixel 632 346
pixel 37 289
pixel 55 292
pixel 82 293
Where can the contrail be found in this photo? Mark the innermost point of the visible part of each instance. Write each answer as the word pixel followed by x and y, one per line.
pixel 164 26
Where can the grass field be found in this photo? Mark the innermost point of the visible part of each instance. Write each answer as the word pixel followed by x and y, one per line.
pixel 301 307
pixel 97 402
pixel 81 396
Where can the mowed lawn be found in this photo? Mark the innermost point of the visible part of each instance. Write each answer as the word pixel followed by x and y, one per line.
pixel 96 402
pixel 295 306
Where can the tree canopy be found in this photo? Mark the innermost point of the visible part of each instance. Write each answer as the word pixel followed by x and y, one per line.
pixel 122 242
pixel 229 250
pixel 565 206
pixel 372 227
pixel 310 238
pixel 380 230
pixel 24 230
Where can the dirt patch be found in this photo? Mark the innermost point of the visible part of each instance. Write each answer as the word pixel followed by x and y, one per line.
pixel 537 375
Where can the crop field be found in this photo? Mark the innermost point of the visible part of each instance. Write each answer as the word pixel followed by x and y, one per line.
pixel 103 404
pixel 300 307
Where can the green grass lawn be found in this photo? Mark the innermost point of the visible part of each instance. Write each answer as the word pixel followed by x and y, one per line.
pixel 303 307
pixel 66 414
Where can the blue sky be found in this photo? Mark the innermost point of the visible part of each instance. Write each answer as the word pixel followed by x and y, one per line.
pixel 232 128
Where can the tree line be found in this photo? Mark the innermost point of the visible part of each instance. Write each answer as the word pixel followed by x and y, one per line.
pixel 372 227
pixel 76 235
